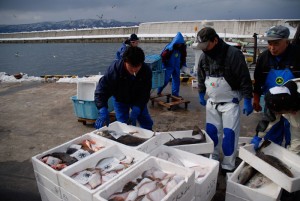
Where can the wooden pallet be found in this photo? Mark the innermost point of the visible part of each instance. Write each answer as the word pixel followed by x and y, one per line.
pixel 171 101
pixel 112 118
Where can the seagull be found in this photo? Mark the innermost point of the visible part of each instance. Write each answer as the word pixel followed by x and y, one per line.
pixel 100 17
pixel 175 7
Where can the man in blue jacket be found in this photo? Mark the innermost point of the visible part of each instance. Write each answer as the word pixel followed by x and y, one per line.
pixel 173 58
pixel 223 74
pixel 129 81
pixel 133 41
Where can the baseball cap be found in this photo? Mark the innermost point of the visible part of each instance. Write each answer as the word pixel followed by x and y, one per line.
pixel 133 37
pixel 203 37
pixel 277 33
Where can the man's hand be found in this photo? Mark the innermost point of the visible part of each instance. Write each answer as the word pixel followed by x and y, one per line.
pixel 202 99
pixel 256 100
pixel 135 112
pixel 248 109
pixel 103 118
pixel 256 140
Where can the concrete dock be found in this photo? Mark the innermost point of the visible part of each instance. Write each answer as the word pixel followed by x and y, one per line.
pixel 38 116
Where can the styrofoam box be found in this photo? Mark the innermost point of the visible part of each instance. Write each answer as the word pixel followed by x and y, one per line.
pixel 80 191
pixel 66 196
pixel 244 141
pixel 205 187
pixel 49 172
pixel 292 160
pixel 199 148
pixel 231 197
pixel 55 189
pixel 145 147
pixel 86 90
pixel 181 192
pixel 268 192
pixel 46 194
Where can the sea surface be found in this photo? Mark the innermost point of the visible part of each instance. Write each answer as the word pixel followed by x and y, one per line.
pixel 82 59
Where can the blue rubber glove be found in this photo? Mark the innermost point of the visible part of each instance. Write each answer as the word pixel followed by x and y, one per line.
pixel 103 118
pixel 256 140
pixel 248 108
pixel 135 112
pixel 202 99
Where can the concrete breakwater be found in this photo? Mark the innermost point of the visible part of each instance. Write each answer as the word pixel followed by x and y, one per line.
pixel 152 31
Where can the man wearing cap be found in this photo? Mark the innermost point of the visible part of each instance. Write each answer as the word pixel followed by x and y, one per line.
pixel 132 41
pixel 283 102
pixel 223 74
pixel 275 66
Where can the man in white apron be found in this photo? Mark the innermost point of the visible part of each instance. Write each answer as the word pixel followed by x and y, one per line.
pixel 223 74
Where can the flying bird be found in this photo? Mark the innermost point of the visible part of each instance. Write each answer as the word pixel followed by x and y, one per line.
pixel 175 7
pixel 100 17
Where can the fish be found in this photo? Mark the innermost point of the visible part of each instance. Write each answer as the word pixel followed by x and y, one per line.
pixel 129 140
pixel 275 162
pixel 183 141
pixel 246 174
pixel 272 160
pixel 258 180
pixel 66 158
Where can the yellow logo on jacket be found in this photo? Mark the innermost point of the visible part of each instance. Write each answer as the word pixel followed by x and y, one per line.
pixel 279 80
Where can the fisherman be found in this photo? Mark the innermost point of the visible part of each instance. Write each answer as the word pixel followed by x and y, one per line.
pixel 275 66
pixel 282 101
pixel 173 59
pixel 132 41
pixel 224 75
pixel 129 81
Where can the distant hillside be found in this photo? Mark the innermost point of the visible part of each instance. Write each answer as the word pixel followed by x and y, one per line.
pixel 74 24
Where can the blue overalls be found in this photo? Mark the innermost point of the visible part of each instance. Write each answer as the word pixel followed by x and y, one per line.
pixel 173 65
pixel 277 77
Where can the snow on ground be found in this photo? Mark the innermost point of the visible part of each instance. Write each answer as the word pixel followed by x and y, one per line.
pixel 6 78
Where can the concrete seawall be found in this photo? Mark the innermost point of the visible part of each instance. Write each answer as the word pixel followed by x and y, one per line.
pixel 152 31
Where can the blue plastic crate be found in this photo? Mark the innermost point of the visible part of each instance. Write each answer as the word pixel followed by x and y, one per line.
pixel 87 109
pixel 154 62
pixel 158 78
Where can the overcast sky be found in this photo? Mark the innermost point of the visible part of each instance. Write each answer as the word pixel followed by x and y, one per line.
pixel 31 11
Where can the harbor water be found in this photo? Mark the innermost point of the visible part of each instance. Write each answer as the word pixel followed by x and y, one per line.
pixel 82 59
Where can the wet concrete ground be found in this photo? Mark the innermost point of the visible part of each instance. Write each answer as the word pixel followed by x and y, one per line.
pixel 35 117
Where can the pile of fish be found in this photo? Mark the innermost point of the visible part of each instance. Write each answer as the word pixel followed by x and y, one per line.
pixel 152 185
pixel 188 140
pixel 121 137
pixel 254 179
pixel 104 170
pixel 200 170
pixel 74 153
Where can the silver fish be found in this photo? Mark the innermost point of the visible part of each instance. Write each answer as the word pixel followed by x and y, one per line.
pixel 246 174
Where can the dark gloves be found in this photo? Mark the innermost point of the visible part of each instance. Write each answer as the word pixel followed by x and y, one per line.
pixel 103 118
pixel 256 140
pixel 202 99
pixel 248 109
pixel 135 112
pixel 256 100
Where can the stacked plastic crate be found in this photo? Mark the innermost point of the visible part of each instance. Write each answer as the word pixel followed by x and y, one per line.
pixel 158 74
pixel 84 103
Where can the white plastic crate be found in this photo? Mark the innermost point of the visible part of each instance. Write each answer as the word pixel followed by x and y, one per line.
pixel 51 174
pixel 80 191
pixel 268 192
pixel 292 160
pixel 183 191
pixel 86 90
pixel 205 187
pixel 46 194
pixel 66 196
pixel 146 147
pixel 42 180
pixel 199 148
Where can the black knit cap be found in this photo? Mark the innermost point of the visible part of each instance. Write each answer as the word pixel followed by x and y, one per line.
pixel 133 37
pixel 283 101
